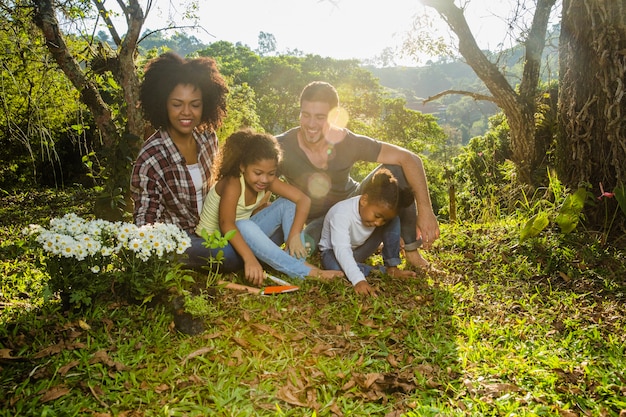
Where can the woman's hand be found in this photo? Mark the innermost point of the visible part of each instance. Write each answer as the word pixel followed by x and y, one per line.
pixel 254 272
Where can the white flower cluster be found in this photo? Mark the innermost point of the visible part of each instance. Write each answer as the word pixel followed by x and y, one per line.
pixel 73 237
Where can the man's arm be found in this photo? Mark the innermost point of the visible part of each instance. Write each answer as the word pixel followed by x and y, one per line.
pixel 427 225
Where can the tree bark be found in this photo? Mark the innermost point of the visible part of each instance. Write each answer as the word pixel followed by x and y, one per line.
pixel 592 100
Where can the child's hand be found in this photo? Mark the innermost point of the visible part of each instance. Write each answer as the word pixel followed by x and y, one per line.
pixel 254 272
pixel 295 247
pixel 363 288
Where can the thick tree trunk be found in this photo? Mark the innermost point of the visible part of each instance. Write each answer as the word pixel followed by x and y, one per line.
pixel 592 99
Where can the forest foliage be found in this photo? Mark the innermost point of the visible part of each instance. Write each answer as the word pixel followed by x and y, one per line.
pixel 50 139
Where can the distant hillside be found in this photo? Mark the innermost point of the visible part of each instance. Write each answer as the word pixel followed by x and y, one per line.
pixel 460 112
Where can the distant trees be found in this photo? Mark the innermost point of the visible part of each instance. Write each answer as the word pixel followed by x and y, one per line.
pixel 264 90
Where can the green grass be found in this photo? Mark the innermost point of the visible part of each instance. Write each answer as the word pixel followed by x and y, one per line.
pixel 510 329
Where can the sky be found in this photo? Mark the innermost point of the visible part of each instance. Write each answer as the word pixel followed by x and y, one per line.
pixel 341 29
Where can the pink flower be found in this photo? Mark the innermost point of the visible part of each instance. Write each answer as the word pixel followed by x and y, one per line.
pixel 604 193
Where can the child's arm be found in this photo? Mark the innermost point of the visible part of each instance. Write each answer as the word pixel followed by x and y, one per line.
pixel 229 191
pixel 303 204
pixel 341 245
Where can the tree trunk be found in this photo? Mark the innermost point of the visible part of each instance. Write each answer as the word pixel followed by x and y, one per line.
pixel 45 18
pixel 519 108
pixel 592 100
pixel 128 78
pixel 120 136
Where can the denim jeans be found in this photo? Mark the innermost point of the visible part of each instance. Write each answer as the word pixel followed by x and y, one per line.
pixel 388 234
pixel 199 257
pixel 256 231
pixel 274 220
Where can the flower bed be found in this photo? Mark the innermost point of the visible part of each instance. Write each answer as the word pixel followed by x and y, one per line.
pixel 96 258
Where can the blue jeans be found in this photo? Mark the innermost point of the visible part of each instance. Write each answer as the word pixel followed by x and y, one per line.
pixel 388 234
pixel 275 220
pixel 256 231
pixel 200 258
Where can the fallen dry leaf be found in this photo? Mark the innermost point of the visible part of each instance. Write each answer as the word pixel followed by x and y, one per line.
pixel 83 325
pixel 368 323
pixel 349 385
pixel 58 348
pixel 246 316
pixel 264 328
pixel 6 354
pixel 322 348
pixel 334 408
pixel 238 354
pixel 500 389
pixel 198 352
pixel 54 393
pixel 392 360
pixel 102 356
pixel 211 336
pixel 287 394
pixel 161 388
pixel 50 350
pixel 65 368
pixel 241 342
pixel 375 384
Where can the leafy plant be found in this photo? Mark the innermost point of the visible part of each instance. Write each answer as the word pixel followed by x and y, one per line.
pixel 556 206
pixel 85 258
pixel 213 241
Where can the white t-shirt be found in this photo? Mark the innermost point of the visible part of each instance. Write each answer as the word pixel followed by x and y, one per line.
pixel 196 177
pixel 343 232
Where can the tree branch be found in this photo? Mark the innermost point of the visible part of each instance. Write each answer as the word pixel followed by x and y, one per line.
pixel 105 15
pixel 535 44
pixel 45 18
pixel 488 72
pixel 475 96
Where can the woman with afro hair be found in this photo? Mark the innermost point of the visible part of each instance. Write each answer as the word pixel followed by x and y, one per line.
pixel 185 101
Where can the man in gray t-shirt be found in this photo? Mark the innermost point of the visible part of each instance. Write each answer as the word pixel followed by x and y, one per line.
pixel 318 157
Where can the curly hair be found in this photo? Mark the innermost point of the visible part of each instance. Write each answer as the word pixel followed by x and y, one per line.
pixel 245 147
pixel 164 73
pixel 383 188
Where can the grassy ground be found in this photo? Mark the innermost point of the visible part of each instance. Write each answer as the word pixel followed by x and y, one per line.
pixel 525 329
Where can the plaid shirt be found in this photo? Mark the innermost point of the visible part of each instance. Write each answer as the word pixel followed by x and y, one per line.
pixel 161 186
